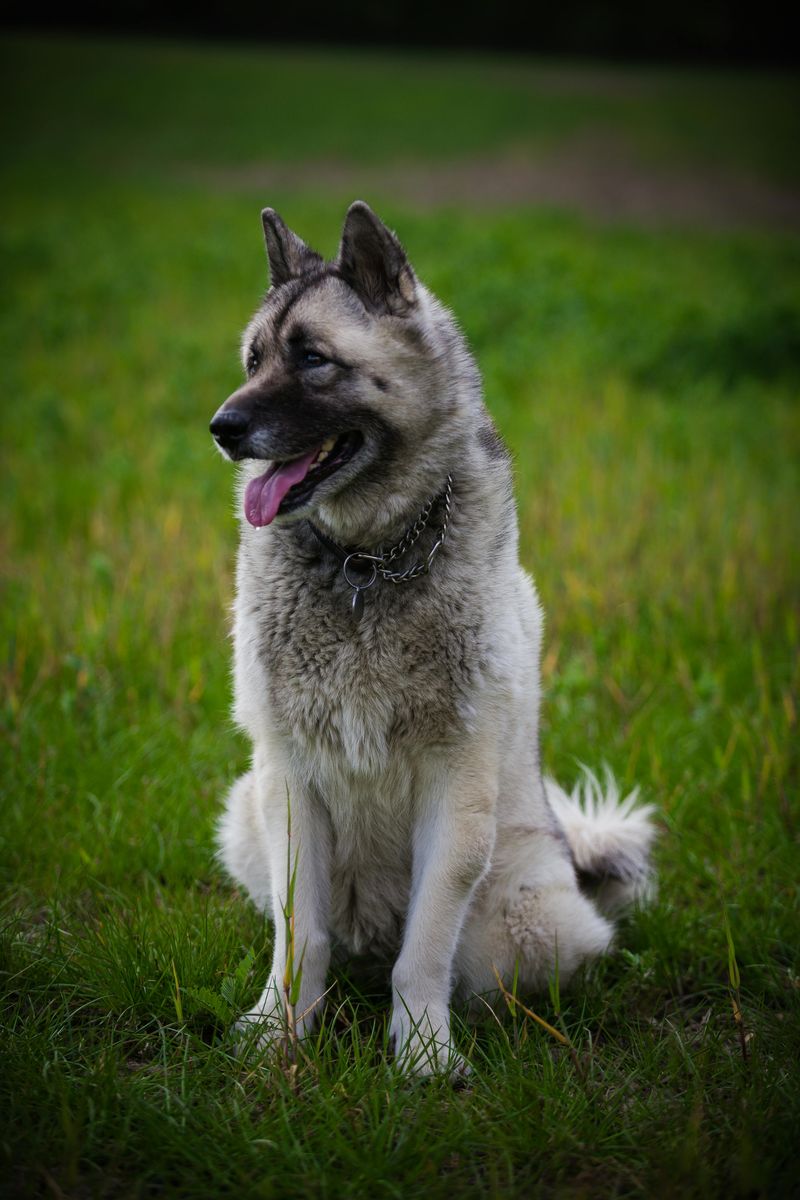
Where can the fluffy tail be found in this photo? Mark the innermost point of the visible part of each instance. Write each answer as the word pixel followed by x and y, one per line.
pixel 610 838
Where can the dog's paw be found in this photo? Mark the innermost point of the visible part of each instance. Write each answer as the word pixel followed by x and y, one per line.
pixel 257 1034
pixel 424 1047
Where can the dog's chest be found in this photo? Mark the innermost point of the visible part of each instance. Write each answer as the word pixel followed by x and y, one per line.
pixel 371 824
pixel 403 677
pixel 359 703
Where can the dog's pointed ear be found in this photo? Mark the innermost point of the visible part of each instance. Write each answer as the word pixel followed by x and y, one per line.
pixel 289 256
pixel 374 263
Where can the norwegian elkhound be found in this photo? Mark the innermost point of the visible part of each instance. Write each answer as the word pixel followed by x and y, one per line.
pixel 386 664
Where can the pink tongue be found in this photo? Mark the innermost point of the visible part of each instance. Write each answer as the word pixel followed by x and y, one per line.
pixel 262 497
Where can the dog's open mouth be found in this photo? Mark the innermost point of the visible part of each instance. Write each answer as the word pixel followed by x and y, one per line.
pixel 287 485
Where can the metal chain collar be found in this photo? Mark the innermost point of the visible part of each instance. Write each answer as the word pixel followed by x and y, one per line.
pixel 372 565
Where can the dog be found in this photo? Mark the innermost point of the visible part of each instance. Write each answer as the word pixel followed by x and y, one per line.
pixel 387 647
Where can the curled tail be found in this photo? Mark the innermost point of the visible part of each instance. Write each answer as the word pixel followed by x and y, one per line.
pixel 610 837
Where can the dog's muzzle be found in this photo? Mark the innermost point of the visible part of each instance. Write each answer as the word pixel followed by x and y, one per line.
pixel 229 427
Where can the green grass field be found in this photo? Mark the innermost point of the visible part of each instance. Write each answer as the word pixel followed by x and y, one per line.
pixel 648 381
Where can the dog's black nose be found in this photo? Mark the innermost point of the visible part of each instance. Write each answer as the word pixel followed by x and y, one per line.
pixel 229 426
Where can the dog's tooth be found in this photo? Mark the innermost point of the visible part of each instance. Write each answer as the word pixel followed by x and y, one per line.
pixel 328 444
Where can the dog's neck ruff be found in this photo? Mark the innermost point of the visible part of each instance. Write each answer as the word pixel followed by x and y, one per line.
pixel 361 568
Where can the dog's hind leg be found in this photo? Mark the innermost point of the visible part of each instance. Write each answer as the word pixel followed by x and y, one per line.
pixel 528 919
pixel 242 842
pixel 552 889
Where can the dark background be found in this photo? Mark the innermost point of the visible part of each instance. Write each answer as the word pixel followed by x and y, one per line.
pixel 714 32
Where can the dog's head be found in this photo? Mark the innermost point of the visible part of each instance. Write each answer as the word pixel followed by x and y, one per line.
pixel 355 376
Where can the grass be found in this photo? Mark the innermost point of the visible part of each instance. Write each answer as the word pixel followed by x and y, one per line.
pixel 648 384
pixel 154 108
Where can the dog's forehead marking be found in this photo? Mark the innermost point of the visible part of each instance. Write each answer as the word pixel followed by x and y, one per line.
pixel 264 326
pixel 320 309
pixel 279 303
pixel 300 288
pixel 330 312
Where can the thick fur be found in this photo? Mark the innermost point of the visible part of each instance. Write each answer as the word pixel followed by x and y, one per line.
pixel 404 747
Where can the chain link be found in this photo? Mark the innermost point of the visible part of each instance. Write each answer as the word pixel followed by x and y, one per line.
pixel 383 561
pixel 380 563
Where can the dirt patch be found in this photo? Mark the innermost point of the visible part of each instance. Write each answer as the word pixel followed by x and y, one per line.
pixel 597 179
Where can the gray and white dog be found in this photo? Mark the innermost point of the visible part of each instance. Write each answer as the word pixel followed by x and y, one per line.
pixel 387 663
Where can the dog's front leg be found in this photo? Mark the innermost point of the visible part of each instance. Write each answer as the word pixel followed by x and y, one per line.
pixel 298 844
pixel 453 839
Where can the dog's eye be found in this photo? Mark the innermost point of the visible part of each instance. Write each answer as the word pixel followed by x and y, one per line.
pixel 310 358
pixel 252 363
